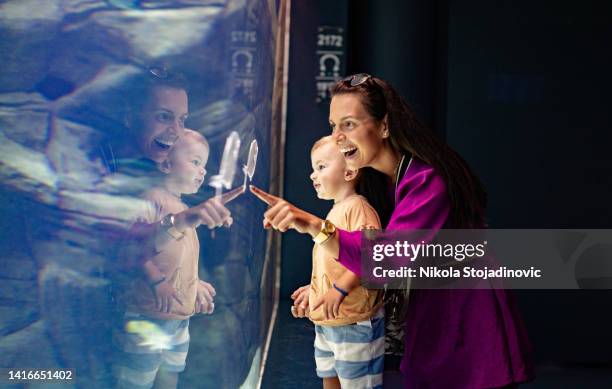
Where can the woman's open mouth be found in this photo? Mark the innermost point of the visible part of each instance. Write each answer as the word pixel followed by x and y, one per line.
pixel 162 145
pixel 348 152
pixel 164 142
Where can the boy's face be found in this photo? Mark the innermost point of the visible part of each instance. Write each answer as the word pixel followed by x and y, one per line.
pixel 186 170
pixel 162 122
pixel 328 171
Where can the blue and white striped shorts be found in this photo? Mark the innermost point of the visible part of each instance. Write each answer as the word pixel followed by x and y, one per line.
pixel 354 353
pixel 147 346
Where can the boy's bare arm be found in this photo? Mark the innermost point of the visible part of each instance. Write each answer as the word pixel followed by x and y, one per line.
pixel 151 272
pixel 348 281
pixel 165 294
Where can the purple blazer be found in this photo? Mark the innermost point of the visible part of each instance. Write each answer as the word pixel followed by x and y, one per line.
pixel 453 338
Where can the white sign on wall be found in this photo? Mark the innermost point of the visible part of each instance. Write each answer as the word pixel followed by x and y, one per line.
pixel 330 55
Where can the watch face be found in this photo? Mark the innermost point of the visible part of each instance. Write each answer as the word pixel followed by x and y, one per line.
pixel 168 220
pixel 327 229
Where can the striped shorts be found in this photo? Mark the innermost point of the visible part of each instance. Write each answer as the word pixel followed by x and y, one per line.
pixel 144 345
pixel 354 353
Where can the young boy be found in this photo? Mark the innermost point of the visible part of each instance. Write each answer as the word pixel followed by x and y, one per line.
pixel 154 338
pixel 348 318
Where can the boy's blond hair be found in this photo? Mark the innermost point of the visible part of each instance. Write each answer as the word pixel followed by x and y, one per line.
pixel 325 140
pixel 194 136
pixel 322 141
pixel 191 135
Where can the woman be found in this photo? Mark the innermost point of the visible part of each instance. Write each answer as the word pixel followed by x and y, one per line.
pixel 453 338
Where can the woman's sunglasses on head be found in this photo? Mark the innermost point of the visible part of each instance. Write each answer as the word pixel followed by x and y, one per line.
pixel 356 79
pixel 159 72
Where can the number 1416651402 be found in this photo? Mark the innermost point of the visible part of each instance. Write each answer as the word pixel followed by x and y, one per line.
pixel 22 375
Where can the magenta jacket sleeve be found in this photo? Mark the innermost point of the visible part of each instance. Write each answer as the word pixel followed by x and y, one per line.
pixel 422 203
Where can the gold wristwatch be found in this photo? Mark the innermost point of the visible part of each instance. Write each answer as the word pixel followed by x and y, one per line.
pixel 168 223
pixel 327 231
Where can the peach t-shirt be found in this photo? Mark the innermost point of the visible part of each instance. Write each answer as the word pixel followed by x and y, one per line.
pixel 351 214
pixel 178 261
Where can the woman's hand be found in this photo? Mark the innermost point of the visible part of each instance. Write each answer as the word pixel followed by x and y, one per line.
pixel 300 301
pixel 283 215
pixel 211 212
pixel 165 296
pixel 204 298
pixel 330 303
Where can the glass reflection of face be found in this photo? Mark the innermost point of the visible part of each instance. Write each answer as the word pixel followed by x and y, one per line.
pixel 328 171
pixel 186 165
pixel 162 122
pixel 358 135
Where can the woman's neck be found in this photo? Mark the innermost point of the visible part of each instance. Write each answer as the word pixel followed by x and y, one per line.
pixel 124 150
pixel 387 162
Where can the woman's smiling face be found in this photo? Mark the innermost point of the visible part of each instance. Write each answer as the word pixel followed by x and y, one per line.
pixel 161 122
pixel 358 135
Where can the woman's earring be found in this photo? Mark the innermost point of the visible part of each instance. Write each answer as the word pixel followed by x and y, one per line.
pixel 385 134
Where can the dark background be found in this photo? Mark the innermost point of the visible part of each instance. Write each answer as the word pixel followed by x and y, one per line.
pixel 520 89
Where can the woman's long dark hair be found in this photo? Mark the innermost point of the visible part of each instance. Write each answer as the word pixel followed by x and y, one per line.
pixel 468 198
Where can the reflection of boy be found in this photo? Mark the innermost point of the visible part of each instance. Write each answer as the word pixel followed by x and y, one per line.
pixel 169 292
pixel 349 323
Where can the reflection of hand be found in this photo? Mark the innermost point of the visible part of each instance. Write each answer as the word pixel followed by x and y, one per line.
pixel 232 194
pixel 165 295
pixel 300 301
pixel 283 215
pixel 211 213
pixel 204 298
pixel 330 302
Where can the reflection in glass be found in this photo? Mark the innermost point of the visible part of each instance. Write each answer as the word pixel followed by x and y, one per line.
pixel 74 167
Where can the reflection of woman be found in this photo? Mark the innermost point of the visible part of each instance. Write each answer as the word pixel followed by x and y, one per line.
pixel 453 338
pixel 157 107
